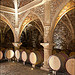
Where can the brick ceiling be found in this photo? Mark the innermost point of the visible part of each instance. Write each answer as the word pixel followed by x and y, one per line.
pixel 24 2
pixel 9 3
pixel 71 16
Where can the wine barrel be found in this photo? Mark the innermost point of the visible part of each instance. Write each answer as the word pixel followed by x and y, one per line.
pixel 36 57
pixel 25 55
pixel 17 54
pixel 1 55
pixel 9 54
pixel 62 52
pixel 72 53
pixel 70 65
pixel 57 61
pixel 3 51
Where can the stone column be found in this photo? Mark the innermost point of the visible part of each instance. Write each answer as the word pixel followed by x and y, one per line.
pixel 47 39
pixel 46 56
pixel 47 52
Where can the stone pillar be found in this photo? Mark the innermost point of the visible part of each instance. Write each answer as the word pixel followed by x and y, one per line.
pixel 47 52
pixel 47 39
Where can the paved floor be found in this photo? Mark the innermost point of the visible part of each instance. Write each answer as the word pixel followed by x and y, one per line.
pixel 14 68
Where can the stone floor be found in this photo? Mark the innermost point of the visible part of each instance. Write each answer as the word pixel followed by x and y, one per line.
pixel 14 68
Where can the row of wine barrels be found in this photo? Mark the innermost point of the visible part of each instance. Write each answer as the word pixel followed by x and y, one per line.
pixel 6 54
pixel 23 54
pixel 36 57
pixel 70 65
pixel 57 61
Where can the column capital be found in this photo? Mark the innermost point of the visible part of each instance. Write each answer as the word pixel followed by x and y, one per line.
pixel 17 44
pixel 45 45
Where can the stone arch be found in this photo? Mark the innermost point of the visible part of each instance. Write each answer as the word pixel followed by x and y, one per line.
pixel 69 5
pixel 3 18
pixel 31 16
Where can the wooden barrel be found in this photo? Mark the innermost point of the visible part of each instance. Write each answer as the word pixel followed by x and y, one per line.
pixel 1 55
pixel 25 55
pixel 72 53
pixel 4 53
pixel 2 49
pixel 70 65
pixel 9 54
pixel 36 57
pixel 62 52
pixel 57 61
pixel 54 52
pixel 17 54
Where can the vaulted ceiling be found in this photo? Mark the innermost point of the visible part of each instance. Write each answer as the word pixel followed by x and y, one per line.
pixel 65 31
pixel 24 2
pixel 2 24
pixel 7 3
pixel 10 3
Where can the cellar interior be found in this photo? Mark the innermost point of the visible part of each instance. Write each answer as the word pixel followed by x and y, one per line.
pixel 37 37
pixel 32 36
pixel 6 35
pixel 63 37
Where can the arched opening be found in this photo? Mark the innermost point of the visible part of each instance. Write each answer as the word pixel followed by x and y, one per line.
pixel 6 35
pixel 64 33
pixel 29 18
pixel 32 35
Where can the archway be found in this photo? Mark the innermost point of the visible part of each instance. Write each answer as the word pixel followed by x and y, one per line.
pixel 6 35
pixel 69 6
pixel 29 18
pixel 64 32
pixel 32 35
pixel 4 19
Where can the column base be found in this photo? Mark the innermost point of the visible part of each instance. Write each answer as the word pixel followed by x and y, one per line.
pixel 46 68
